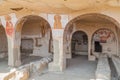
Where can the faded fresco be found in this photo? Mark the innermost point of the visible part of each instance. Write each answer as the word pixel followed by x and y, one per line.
pixel 9 21
pixel 9 26
pixel 104 41
pixel 58 21
pixel 104 36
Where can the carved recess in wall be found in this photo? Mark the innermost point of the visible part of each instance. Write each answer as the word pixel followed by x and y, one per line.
pixel 38 42
pixel 27 45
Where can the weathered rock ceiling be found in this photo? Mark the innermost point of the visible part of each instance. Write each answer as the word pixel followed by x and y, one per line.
pixel 52 6
pixel 93 19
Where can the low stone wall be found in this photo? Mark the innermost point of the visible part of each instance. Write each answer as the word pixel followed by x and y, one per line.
pixel 116 62
pixel 113 69
pixel 103 71
pixel 24 72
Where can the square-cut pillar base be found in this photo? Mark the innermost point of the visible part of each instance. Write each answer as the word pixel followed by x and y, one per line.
pixel 92 58
pixel 54 67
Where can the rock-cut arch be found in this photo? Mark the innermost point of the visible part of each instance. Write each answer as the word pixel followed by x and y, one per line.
pixel 32 29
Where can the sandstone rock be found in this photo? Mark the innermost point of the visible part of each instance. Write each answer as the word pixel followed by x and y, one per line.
pixel 22 74
pixel 10 76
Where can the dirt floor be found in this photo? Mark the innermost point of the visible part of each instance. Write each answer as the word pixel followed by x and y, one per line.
pixel 78 68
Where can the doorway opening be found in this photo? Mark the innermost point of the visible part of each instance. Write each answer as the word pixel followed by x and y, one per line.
pixel 79 64
pixel 79 44
pixel 79 50
pixel 35 38
pixel 98 47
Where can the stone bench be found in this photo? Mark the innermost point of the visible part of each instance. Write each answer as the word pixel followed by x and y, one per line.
pixel 103 71
pixel 116 62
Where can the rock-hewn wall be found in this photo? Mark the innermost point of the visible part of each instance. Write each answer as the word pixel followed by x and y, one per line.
pixel 3 43
pixel 34 41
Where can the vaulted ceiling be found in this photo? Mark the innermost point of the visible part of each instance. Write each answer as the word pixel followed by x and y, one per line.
pixel 52 6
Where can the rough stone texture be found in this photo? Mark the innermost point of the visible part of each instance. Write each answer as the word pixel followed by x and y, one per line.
pixel 25 75
pixel 78 68
pixel 39 66
pixel 10 75
pixel 22 74
pixel 58 63
pixel 25 71
pixel 54 66
pixel 103 71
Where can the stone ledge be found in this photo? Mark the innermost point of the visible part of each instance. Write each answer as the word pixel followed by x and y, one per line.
pixel 116 62
pixel 103 71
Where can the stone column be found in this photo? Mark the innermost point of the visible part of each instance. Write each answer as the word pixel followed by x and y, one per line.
pixel 17 56
pixel 59 59
pixel 62 55
pixel 90 57
pixel 14 51
pixel 10 52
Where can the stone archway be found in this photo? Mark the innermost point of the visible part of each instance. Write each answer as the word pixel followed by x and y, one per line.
pixel 33 36
pixel 71 27
pixel 79 43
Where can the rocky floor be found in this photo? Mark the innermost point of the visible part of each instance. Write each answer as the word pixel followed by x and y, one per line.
pixel 78 68
pixel 4 68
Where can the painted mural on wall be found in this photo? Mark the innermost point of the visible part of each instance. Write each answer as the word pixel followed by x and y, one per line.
pixel 104 41
pixel 9 26
pixel 9 21
pixel 58 23
pixel 104 36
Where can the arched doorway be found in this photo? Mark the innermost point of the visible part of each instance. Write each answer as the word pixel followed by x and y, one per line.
pixel 79 43
pixel 89 23
pixel 78 63
pixel 104 42
pixel 3 50
pixel 34 37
